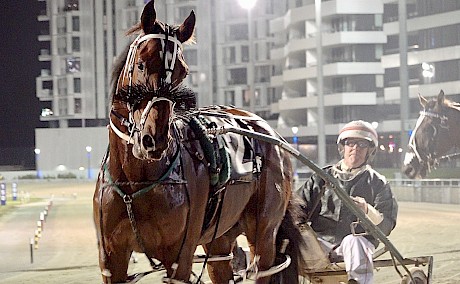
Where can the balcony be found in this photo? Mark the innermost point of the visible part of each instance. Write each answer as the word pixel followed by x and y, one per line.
pixel 44 55
pixel 45 94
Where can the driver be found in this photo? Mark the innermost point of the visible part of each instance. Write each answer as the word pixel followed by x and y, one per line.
pixel 331 220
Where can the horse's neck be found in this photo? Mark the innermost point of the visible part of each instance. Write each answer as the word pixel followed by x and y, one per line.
pixel 454 131
pixel 124 167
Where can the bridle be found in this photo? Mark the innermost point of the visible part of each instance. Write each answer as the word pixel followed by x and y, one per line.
pixel 431 158
pixel 169 35
pixel 169 59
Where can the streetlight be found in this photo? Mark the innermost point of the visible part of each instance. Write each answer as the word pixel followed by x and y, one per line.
pixel 427 71
pixel 37 158
pixel 88 155
pixel 248 5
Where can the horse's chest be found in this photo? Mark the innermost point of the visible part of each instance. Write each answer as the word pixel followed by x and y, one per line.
pixel 174 196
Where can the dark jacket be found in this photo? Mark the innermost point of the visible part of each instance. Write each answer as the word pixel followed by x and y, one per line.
pixel 331 219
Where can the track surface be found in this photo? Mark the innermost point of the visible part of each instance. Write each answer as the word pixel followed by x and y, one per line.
pixel 67 249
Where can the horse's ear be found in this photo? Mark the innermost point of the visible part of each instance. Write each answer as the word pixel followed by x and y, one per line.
pixel 185 31
pixel 148 17
pixel 422 100
pixel 441 97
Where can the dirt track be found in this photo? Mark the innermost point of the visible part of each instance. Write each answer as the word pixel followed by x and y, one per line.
pixel 67 249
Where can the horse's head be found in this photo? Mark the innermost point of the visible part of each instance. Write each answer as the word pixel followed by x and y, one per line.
pixel 155 56
pixel 154 66
pixel 429 139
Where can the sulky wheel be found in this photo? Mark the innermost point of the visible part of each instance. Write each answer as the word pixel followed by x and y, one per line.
pixel 418 275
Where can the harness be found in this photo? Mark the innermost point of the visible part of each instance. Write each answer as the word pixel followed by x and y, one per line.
pixel 129 198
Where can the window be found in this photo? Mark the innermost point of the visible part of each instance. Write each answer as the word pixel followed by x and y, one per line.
pixel 191 56
pixel 230 97
pixel 270 7
pixel 229 55
pixel 75 44
pixel 77 105
pixel 73 64
pixel 183 12
pixel 193 78
pixel 77 85
pixel 47 85
pixel 236 76
pixel 61 45
pixel 262 73
pixel 62 87
pixel 238 32
pixel 338 84
pixel 76 23
pixel 61 25
pixel 63 110
pixel 244 53
pixel 71 5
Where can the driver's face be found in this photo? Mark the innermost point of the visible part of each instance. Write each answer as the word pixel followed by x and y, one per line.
pixel 355 152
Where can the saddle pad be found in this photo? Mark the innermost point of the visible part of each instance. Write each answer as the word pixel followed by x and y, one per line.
pixel 236 148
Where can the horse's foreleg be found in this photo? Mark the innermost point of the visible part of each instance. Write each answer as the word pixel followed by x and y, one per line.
pixel 178 269
pixel 220 271
pixel 114 264
pixel 262 249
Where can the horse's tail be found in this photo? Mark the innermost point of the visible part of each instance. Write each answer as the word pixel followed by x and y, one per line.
pixel 289 230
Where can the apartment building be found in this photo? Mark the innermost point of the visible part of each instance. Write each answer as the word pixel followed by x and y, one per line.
pixel 433 60
pixel 79 40
pixel 361 63
pixel 242 55
pixel 271 50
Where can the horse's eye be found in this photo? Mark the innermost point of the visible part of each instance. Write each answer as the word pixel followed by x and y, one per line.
pixel 140 66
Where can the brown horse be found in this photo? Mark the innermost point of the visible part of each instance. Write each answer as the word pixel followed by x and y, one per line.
pixel 436 132
pixel 166 186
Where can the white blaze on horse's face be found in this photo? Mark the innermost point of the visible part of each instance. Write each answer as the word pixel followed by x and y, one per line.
pixel 153 120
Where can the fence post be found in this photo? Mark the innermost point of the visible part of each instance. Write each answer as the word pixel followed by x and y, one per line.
pixel 31 250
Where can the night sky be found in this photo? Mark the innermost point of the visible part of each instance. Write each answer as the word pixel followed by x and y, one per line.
pixel 19 110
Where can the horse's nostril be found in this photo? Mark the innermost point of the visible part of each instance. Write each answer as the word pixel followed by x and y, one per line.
pixel 147 141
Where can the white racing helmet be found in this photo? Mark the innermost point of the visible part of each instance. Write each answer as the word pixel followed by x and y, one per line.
pixel 359 129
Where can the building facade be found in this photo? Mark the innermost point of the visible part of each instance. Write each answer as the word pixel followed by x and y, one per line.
pixel 351 43
pixel 79 41
pixel 272 51
pixel 360 68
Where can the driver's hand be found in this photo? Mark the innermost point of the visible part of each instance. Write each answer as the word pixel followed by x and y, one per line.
pixel 360 202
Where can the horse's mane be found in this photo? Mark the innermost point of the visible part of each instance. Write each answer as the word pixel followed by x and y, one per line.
pixel 452 104
pixel 116 70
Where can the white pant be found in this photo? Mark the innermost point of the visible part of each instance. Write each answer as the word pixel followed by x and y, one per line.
pixel 357 254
